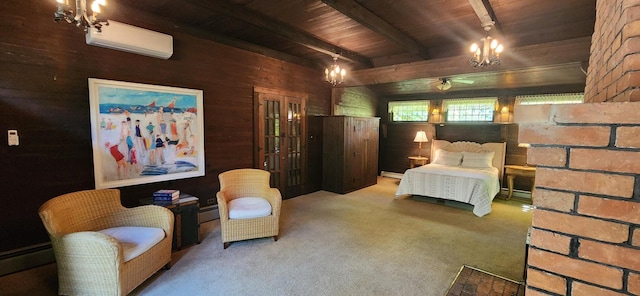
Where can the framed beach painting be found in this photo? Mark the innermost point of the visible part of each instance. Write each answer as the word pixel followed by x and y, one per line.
pixel 144 133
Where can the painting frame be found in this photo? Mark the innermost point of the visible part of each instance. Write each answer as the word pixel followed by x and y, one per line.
pixel 145 133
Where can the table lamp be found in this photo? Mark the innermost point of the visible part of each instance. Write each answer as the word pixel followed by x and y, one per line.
pixel 421 137
pixel 524 145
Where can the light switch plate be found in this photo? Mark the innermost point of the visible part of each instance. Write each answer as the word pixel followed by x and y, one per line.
pixel 14 140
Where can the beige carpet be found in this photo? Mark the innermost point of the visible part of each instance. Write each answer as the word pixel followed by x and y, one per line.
pixel 362 243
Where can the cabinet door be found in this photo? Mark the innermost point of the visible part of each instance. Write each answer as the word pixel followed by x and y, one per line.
pixel 356 164
pixel 334 151
pixel 371 157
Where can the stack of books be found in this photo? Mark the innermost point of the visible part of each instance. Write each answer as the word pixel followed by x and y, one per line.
pixel 165 195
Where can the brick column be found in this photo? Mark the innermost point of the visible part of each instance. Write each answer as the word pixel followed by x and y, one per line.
pixel 585 237
pixel 614 62
pixel 586 226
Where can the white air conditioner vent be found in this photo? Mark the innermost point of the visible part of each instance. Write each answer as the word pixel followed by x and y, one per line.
pixel 120 36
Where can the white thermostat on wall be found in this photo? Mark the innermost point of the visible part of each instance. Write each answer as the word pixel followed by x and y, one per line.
pixel 14 140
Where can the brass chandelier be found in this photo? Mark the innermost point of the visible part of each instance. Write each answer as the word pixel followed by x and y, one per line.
pixel 334 74
pixel 83 17
pixel 487 53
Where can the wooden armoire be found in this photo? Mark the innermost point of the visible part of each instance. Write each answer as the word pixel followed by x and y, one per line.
pixel 350 153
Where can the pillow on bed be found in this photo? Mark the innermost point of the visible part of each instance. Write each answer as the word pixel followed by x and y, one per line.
pixel 477 159
pixel 447 157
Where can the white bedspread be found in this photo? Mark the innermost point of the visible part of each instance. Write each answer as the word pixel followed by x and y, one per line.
pixel 475 186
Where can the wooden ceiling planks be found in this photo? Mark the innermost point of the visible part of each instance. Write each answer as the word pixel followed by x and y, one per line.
pixel 378 25
pixel 374 36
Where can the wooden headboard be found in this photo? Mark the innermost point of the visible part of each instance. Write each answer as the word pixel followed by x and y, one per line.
pixel 498 148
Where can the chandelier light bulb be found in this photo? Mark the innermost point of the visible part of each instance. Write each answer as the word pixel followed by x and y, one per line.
pixel 95 7
pixel 494 43
pixel 474 47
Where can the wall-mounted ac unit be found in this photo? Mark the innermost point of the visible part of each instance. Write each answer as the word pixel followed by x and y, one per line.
pixel 132 39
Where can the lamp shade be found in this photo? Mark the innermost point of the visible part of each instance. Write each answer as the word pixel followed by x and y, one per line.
pixel 421 137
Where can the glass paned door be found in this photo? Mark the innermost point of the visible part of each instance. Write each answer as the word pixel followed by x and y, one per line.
pixel 271 139
pixel 280 140
pixel 294 143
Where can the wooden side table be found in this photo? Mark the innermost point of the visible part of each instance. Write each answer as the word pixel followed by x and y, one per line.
pixel 519 170
pixel 186 227
pixel 418 160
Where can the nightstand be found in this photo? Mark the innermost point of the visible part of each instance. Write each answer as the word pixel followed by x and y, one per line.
pixel 186 226
pixel 418 161
pixel 519 170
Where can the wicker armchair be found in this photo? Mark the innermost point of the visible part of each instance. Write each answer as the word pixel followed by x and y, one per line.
pixel 247 183
pixel 92 263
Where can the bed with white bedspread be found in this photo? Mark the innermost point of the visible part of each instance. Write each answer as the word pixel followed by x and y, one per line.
pixel 465 172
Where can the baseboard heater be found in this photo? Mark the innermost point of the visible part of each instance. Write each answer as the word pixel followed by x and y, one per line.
pixel 120 36
pixel 391 175
pixel 26 258
pixel 209 213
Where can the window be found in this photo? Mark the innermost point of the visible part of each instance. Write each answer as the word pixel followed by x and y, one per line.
pixel 409 110
pixel 478 109
pixel 571 98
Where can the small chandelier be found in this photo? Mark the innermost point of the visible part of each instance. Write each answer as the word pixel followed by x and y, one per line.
pixel 82 18
pixel 487 54
pixel 334 74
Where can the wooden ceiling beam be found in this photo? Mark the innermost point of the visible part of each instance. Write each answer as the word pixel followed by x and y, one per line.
pixel 366 18
pixel 282 29
pixel 568 74
pixel 552 53
pixel 498 92
pixel 485 13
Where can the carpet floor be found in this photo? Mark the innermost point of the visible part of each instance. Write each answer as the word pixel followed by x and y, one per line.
pixel 363 243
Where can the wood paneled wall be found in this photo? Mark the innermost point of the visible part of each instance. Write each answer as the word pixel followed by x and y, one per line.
pixel 44 95
pixel 355 101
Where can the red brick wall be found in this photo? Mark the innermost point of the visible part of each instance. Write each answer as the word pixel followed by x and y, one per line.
pixel 585 237
pixel 614 63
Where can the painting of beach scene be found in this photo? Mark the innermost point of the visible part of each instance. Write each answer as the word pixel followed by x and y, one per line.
pixel 145 133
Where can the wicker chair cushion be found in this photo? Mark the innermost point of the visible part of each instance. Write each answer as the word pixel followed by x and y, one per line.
pixel 249 207
pixel 135 240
